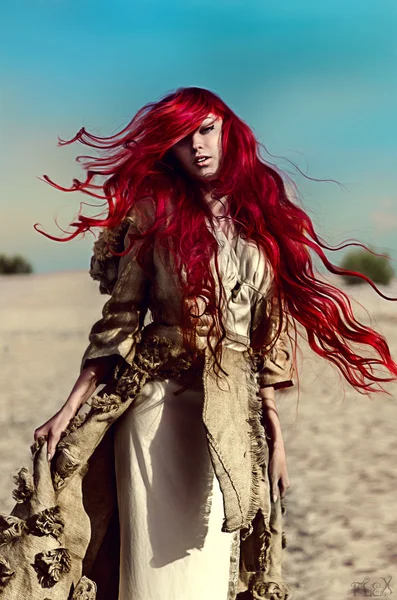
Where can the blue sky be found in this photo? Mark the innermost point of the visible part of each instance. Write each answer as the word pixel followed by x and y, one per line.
pixel 318 84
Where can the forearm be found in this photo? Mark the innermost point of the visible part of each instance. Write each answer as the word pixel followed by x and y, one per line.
pixel 270 415
pixel 90 377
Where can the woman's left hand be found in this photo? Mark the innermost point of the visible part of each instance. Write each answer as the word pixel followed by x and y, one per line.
pixel 278 473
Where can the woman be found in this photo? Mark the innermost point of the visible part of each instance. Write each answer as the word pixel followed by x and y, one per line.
pixel 171 486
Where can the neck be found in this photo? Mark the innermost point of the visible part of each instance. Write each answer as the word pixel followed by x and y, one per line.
pixel 219 207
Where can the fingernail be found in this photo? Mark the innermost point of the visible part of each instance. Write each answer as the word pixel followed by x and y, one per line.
pixel 274 497
pixel 49 456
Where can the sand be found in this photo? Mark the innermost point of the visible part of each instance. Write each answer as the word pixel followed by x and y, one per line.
pixel 341 520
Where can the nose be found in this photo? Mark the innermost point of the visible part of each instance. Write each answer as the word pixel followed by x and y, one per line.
pixel 197 141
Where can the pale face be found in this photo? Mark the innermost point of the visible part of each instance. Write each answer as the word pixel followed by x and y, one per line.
pixel 205 142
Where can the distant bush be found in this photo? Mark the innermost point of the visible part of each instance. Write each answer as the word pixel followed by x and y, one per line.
pixel 14 265
pixel 377 268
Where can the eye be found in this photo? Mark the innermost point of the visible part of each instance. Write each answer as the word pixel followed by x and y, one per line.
pixel 207 129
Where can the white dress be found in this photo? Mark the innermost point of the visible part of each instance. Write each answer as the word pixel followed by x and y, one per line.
pixel 170 504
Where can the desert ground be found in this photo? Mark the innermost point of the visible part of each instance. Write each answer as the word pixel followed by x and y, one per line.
pixel 341 519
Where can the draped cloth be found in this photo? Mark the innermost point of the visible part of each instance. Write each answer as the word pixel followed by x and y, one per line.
pixel 169 499
pixel 62 539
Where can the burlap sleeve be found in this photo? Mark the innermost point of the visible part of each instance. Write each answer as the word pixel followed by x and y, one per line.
pixel 275 355
pixel 117 331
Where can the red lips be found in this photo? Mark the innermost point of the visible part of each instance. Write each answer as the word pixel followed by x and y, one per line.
pixel 200 156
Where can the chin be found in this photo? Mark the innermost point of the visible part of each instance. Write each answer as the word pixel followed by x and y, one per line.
pixel 204 177
pixel 208 176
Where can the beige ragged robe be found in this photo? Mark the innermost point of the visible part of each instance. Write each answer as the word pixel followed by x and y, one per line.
pixel 61 541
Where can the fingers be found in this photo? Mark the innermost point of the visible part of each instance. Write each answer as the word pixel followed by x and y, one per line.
pixel 278 475
pixel 274 488
pixel 285 484
pixel 38 435
pixel 52 442
pixel 279 486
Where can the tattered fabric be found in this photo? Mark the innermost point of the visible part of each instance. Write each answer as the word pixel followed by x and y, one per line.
pixel 61 540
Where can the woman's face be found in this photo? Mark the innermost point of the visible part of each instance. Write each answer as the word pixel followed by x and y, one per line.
pixel 200 152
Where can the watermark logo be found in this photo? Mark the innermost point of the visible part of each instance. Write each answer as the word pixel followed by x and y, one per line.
pixel 378 589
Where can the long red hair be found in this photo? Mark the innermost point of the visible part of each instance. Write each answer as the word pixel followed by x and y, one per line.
pixel 138 161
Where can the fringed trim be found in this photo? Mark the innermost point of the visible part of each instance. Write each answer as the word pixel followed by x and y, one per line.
pixel 259 448
pixel 51 566
pixel 265 537
pixel 110 237
pixel 24 482
pixel 6 573
pixel 47 522
pixel 74 424
pixel 104 266
pixel 105 403
pixel 59 480
pixel 267 590
pixel 203 517
pixel 155 356
pixel 68 462
pixel 260 544
pixel 257 520
pixel 86 589
pixel 11 528
pixel 130 382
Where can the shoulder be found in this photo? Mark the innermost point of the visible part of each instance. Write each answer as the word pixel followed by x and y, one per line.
pixel 110 239
pixel 142 214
